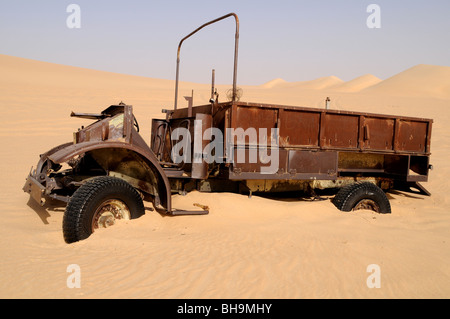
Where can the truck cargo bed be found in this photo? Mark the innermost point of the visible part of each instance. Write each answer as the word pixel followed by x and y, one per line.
pixel 324 144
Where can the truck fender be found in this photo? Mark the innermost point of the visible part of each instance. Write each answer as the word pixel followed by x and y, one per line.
pixel 136 165
pixel 43 157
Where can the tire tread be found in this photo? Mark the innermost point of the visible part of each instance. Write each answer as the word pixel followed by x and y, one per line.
pixel 357 191
pixel 76 210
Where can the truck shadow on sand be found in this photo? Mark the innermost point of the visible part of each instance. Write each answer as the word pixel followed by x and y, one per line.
pixel 41 211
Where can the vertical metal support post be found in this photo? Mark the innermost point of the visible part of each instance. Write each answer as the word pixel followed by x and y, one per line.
pixel 213 80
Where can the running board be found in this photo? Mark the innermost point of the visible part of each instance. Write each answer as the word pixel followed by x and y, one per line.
pixel 179 212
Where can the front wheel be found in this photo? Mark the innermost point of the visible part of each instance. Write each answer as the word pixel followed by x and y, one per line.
pixel 98 203
pixel 362 195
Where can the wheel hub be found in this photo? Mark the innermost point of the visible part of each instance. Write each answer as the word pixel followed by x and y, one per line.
pixel 108 212
pixel 367 204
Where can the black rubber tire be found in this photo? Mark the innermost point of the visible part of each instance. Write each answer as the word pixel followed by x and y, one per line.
pixel 349 196
pixel 79 213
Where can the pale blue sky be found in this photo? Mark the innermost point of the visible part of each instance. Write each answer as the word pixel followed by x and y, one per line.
pixel 294 40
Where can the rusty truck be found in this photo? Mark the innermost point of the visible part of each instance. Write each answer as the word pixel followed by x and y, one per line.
pixel 108 170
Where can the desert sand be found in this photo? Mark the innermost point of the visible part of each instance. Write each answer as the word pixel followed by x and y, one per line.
pixel 246 247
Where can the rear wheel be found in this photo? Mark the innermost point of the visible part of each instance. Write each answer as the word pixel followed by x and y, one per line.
pixel 362 195
pixel 99 203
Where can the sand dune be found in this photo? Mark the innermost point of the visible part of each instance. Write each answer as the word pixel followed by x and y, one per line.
pixel 420 80
pixel 246 247
pixel 274 83
pixel 318 84
pixel 42 73
pixel 358 84
pixel 331 83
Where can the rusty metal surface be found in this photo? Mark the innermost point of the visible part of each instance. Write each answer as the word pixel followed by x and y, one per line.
pixel 115 145
pixel 159 142
pixel 199 165
pixel 321 164
pixel 267 185
pixel 377 133
pixel 412 136
pixel 305 127
pixel 291 135
pixel 338 131
pixel 35 189
pixel 114 148
pixel 351 161
pixel 331 142
pixel 253 118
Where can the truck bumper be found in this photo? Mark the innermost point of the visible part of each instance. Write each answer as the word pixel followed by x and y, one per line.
pixel 35 189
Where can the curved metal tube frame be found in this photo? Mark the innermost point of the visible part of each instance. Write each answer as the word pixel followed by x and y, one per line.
pixel 236 43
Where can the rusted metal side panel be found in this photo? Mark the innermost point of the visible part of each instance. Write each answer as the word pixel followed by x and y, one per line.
pixel 412 136
pixel 117 127
pixel 339 131
pixel 430 124
pixel 319 144
pixel 184 112
pixel 310 141
pixel 359 162
pixel 299 128
pixel 254 119
pixel 293 165
pixel 253 164
pixel 313 165
pixel 199 165
pixel 377 133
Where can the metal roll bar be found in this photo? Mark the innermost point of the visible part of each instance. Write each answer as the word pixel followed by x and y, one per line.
pixel 236 43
